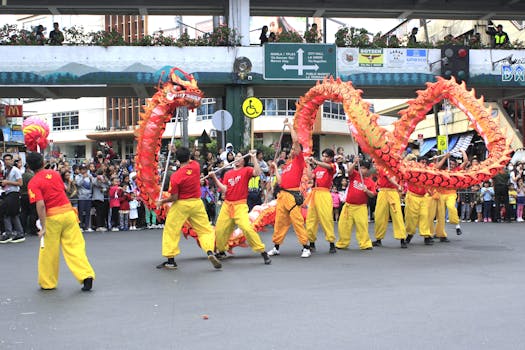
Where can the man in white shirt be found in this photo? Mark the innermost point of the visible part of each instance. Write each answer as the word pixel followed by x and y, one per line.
pixel 11 183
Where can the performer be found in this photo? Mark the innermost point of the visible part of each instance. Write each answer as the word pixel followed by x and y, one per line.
pixel 59 227
pixel 288 210
pixel 321 206
pixel 185 194
pixel 388 205
pixel 416 211
pixel 355 211
pixel 234 210
pixel 449 196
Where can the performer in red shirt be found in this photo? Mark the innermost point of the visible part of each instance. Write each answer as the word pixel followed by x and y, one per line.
pixel 388 205
pixel 321 206
pixel 185 194
pixel 287 210
pixel 416 210
pixel 234 210
pixel 355 211
pixel 59 227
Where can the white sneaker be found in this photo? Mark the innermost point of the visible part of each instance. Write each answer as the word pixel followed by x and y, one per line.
pixel 306 253
pixel 519 220
pixel 89 230
pixel 273 252
pixel 114 229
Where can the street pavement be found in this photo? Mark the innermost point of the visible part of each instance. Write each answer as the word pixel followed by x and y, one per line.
pixel 466 294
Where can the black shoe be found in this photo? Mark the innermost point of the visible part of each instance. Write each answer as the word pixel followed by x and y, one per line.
pixel 267 260
pixel 170 264
pixel 332 249
pixel 312 247
pixel 19 237
pixel 403 243
pixel 408 239
pixel 214 261
pixel 221 256
pixel 429 241
pixel 88 284
pixel 369 248
pixel 5 238
pixel 458 231
pixel 377 243
pixel 444 239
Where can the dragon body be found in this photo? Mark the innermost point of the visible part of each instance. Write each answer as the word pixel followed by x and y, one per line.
pixel 159 110
pixel 386 148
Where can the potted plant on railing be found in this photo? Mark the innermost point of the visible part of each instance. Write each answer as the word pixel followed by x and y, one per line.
pixel 289 37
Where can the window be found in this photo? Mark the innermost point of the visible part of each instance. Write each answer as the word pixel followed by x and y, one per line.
pixel 65 121
pixel 279 106
pixel 208 107
pixel 333 110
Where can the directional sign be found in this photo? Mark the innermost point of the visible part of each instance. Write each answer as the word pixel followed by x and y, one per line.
pixel 252 107
pixel 299 61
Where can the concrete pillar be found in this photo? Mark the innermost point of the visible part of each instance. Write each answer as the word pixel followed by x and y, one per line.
pixel 234 96
pixel 239 19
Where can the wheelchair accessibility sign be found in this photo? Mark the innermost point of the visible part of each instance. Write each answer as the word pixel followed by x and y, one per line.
pixel 252 107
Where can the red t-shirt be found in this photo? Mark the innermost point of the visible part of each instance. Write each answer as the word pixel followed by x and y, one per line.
pixel 416 189
pixel 47 185
pixel 236 181
pixel 324 177
pixel 384 182
pixel 355 195
pixel 293 172
pixel 186 181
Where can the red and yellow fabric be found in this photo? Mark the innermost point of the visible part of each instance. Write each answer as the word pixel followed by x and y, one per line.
pixel 47 185
pixel 416 214
pixel 320 210
pixel 450 200
pixel 355 195
pixel 285 217
pixel 183 210
pixel 389 205
pixel 353 214
pixel 236 213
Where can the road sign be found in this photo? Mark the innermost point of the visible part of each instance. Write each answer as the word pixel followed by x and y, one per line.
pixel 442 143
pixel 252 107
pixel 299 61
pixel 222 120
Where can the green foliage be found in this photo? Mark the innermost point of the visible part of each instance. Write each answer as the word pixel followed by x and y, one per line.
pixel 289 37
pixel 105 38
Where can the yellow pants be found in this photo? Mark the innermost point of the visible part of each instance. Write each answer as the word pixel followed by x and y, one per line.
pixel 226 223
pixel 321 211
pixel 450 204
pixel 416 214
pixel 436 209
pixel 389 205
pixel 354 214
pixel 183 210
pixel 62 230
pixel 284 217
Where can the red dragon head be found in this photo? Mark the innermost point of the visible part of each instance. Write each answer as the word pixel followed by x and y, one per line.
pixel 180 92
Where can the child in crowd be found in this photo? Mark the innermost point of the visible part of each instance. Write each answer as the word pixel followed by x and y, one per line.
pixel 465 200
pixel 115 192
pixel 133 211
pixel 208 198
pixel 336 202
pixel 487 194
pixel 520 199
pixel 513 194
pixel 151 217
pixel 124 209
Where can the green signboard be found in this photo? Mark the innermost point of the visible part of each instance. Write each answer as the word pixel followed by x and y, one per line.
pixel 299 61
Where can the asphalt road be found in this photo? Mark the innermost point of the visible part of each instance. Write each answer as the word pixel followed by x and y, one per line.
pixel 467 294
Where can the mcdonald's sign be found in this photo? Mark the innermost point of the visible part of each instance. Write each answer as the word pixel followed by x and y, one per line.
pixel 13 111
